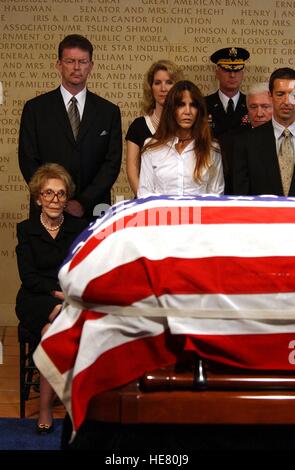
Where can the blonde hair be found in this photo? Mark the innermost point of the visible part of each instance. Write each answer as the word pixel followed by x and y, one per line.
pixel 49 171
pixel 175 73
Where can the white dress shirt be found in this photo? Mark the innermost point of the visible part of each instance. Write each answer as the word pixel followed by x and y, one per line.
pixel 278 131
pixel 80 97
pixel 225 99
pixel 164 171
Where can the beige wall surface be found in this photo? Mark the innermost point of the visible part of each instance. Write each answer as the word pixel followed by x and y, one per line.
pixel 127 36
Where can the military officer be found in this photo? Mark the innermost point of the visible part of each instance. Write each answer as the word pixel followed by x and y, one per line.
pixel 227 109
pixel 227 106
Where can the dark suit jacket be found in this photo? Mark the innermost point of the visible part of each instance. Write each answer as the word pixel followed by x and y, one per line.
pixel 256 168
pixel 93 160
pixel 39 257
pixel 223 129
pixel 219 121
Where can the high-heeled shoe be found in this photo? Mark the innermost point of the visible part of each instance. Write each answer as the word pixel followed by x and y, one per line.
pixel 42 428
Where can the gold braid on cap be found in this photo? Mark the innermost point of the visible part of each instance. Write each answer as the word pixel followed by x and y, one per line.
pixel 232 63
pixel 229 64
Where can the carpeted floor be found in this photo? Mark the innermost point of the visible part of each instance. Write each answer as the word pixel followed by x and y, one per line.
pixel 20 434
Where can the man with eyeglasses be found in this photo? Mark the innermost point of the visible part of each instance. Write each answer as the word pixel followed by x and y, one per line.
pixel 76 128
pixel 263 160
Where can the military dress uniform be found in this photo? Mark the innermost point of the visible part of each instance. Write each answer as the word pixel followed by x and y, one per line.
pixel 233 60
pixel 225 125
pixel 219 121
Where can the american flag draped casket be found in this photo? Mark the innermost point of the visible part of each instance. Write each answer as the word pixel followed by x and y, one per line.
pixel 162 275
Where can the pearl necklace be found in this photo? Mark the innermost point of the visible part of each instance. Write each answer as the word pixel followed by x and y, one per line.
pixel 155 120
pixel 51 229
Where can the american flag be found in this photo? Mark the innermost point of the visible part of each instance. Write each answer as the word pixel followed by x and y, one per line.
pixel 159 276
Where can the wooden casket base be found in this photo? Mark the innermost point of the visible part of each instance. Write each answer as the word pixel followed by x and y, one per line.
pixel 206 397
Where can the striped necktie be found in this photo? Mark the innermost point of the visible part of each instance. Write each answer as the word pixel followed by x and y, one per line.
pixel 74 116
pixel 286 160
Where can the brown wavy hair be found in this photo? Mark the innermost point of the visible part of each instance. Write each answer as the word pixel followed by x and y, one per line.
pixel 175 73
pixel 168 126
pixel 46 172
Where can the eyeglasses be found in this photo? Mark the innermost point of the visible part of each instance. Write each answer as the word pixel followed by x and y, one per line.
pixel 81 62
pixel 49 195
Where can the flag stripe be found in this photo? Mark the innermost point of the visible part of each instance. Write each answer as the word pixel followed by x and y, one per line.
pixel 149 277
pixel 264 352
pixel 271 307
pixel 119 366
pixel 172 216
pixel 63 346
pixel 105 334
pixel 180 242
pixel 246 215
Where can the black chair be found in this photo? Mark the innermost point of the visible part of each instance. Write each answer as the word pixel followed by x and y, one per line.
pixel 27 370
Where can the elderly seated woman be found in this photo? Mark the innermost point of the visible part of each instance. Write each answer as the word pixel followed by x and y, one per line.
pixel 43 243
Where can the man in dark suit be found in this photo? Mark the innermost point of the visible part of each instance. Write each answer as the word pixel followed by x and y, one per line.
pixel 90 147
pixel 227 107
pixel 259 104
pixel 257 164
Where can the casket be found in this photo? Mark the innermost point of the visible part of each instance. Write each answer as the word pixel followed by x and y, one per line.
pixel 178 311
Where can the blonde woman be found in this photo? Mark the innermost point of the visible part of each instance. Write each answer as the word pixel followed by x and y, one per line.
pixel 158 80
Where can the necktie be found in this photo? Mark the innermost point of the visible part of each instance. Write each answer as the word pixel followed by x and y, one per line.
pixel 74 116
pixel 286 160
pixel 230 108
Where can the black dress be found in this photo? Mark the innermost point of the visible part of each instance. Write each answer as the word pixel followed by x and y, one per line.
pixel 140 130
pixel 39 257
